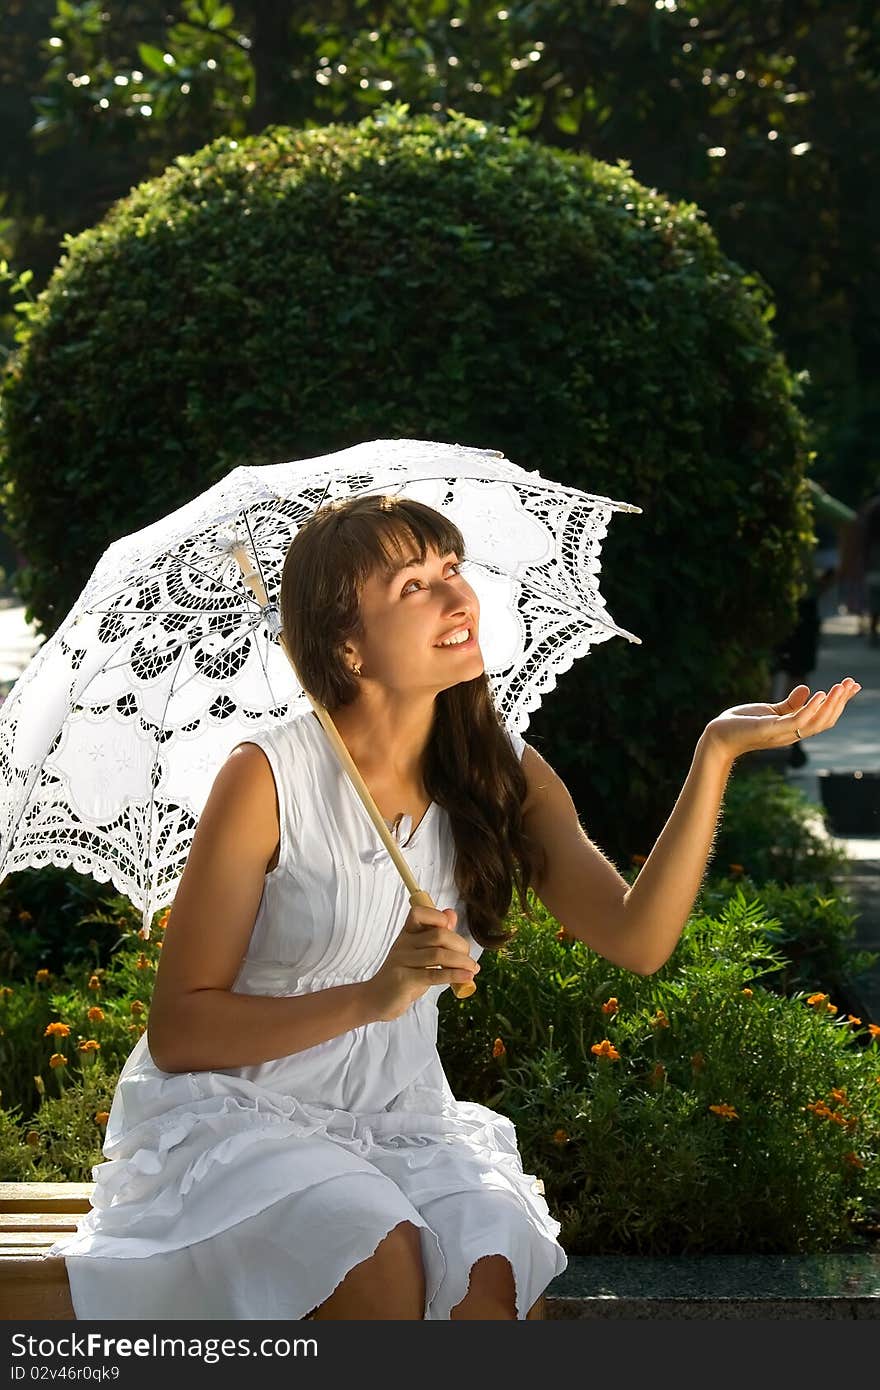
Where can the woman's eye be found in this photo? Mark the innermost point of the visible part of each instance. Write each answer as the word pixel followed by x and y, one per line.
pixel 456 565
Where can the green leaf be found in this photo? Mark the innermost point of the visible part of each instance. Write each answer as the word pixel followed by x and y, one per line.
pixel 152 57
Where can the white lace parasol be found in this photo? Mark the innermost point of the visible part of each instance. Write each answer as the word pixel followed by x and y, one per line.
pixel 112 737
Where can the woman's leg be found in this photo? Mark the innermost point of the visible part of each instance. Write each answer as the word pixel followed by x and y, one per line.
pixel 491 1291
pixel 390 1285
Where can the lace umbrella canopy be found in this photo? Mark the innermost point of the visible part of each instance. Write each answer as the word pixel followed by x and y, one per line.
pixel 111 738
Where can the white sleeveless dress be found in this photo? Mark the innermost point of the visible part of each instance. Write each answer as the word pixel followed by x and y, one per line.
pixel 250 1192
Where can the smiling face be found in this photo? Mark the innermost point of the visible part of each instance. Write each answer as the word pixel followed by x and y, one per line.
pixel 404 616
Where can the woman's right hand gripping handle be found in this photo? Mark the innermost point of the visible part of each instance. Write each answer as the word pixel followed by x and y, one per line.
pixel 428 939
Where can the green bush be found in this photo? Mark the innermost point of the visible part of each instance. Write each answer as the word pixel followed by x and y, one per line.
pixel 770 829
pixel 774 842
pixel 77 917
pixel 299 291
pixel 53 1015
pixel 815 932
pixel 611 1080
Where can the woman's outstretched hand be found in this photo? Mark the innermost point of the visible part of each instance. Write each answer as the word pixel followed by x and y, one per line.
pixel 748 728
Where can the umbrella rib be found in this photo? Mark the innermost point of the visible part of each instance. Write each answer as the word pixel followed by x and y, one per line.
pixel 534 588
pixel 160 729
pixel 545 485
pixel 160 574
pixel 246 630
pixel 256 556
pixel 117 666
pixel 256 637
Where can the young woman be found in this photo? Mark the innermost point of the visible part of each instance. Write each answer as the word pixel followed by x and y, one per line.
pixel 283 1141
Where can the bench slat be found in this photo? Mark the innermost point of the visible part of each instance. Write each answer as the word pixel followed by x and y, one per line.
pixel 45 1196
pixel 40 1240
pixel 37 1221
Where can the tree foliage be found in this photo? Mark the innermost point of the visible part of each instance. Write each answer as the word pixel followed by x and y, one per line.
pixel 764 115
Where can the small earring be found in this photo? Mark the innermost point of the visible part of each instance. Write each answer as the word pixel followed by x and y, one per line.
pixel 357 668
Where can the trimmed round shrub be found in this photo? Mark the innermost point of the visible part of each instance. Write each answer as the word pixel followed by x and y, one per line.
pixel 300 291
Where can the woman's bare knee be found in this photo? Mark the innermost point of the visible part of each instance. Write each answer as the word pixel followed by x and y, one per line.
pixel 389 1285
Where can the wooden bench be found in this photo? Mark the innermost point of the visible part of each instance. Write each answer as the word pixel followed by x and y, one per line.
pixel 32 1216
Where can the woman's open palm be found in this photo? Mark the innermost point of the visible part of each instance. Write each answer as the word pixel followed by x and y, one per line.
pixel 748 728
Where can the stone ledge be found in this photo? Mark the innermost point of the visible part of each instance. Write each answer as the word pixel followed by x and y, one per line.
pixel 717 1286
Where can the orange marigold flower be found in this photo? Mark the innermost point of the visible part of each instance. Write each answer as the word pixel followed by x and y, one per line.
pixel 638 859
pixel 853 1020
pixel 58 1059
pixel 874 1030
pixel 41 976
pixel 162 919
pixel 698 1061
pixel 610 1006
pixel 142 963
pixel 727 1111
pixel 144 933
pixel 818 1107
pixel 815 999
pixel 94 982
pixel 854 1159
pixel 158 945
pixel 562 934
pixel 560 1136
pixel 747 992
pixel 102 1116
pixel 59 1030
pixel 831 1008
pixel 836 1118
pixel 96 1015
pixel 606 1048
pixel 498 1048
pixel 89 1045
pixel 136 1007
pixel 660 1020
pixel 32 1137
pixel 25 916
pixel 839 1093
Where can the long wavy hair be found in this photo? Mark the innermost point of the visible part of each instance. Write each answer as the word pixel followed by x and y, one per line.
pixel 470 768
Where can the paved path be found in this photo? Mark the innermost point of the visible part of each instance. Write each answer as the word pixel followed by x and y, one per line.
pixel 853 744
pixel 17 643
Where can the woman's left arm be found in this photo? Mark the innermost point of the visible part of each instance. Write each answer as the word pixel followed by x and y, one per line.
pixel 638 926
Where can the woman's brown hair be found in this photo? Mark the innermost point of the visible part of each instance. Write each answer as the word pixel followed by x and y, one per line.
pixel 470 770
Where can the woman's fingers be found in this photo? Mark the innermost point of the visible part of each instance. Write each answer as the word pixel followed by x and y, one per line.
pixel 822 709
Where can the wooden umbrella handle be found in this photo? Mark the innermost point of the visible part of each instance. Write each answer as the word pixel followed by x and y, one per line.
pixel 417 896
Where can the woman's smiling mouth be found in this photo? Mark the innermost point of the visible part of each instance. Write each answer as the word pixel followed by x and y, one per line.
pixel 461 641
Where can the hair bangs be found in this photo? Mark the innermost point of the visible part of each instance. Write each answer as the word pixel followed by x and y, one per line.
pixel 385 538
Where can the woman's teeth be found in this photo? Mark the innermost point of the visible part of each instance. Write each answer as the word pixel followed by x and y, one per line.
pixel 455 641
